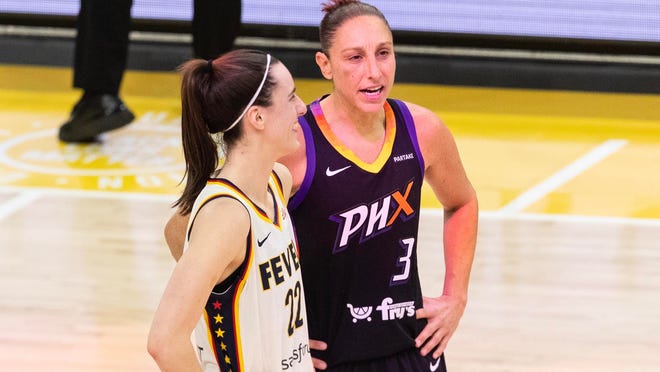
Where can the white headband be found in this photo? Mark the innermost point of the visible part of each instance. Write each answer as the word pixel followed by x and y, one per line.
pixel 256 94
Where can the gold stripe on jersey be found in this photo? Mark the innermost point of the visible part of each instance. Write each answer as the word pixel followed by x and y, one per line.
pixel 277 185
pixel 385 152
pixel 234 302
pixel 260 212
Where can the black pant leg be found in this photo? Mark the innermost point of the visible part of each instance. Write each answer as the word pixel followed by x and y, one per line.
pixel 215 26
pixel 101 49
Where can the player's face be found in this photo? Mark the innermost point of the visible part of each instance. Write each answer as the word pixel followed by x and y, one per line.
pixel 282 115
pixel 361 62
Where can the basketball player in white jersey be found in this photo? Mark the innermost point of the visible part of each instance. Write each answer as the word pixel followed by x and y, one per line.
pixel 238 283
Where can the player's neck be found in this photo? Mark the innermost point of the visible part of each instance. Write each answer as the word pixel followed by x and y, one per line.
pixel 249 173
pixel 346 119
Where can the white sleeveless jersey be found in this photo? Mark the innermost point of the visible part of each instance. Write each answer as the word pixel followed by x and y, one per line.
pixel 255 321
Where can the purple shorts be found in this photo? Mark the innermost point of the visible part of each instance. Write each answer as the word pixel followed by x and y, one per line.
pixel 406 361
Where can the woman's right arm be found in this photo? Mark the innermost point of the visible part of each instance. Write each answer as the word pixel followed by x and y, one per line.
pixel 215 251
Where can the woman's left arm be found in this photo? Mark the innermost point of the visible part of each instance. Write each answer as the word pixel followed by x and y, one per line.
pixel 445 174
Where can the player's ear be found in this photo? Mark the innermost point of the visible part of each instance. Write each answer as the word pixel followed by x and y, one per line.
pixel 323 62
pixel 255 118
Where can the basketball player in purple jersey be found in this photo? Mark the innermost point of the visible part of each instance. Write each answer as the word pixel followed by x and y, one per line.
pixel 360 171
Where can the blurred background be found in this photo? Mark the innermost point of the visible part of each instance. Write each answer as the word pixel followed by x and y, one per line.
pixel 595 44
pixel 555 107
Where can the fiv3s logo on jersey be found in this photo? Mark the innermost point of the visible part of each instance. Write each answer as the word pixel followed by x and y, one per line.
pixel 389 310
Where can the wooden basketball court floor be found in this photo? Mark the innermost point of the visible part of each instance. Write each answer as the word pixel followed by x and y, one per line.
pixel 566 275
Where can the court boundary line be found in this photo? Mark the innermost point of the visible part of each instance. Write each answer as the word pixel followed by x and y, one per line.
pixel 564 175
pixel 16 203
pixel 541 217
pixel 28 195
pixel 128 195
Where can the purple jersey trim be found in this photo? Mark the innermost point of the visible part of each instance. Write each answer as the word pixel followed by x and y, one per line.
pixel 410 124
pixel 310 155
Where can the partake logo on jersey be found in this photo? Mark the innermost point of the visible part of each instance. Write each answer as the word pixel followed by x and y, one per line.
pixel 389 310
pixel 146 156
pixel 371 219
pixel 400 158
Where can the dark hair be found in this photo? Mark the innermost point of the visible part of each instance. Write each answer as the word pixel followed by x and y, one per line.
pixel 339 11
pixel 213 95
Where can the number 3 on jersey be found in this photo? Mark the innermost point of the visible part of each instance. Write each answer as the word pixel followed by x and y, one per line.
pixel 293 300
pixel 404 261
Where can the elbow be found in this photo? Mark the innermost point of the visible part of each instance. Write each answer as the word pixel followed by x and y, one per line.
pixel 154 348
pixel 171 350
pixel 157 347
pixel 469 206
pixel 472 202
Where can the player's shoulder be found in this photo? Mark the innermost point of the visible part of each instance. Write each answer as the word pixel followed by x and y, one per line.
pixel 285 177
pixel 427 122
pixel 422 114
pixel 222 205
pixel 220 215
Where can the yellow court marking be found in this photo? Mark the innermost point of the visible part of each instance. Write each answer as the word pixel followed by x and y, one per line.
pixel 627 184
pixel 143 157
pixel 510 141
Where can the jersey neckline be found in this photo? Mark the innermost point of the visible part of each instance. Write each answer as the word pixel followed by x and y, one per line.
pixel 274 187
pixel 343 150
